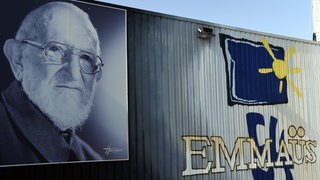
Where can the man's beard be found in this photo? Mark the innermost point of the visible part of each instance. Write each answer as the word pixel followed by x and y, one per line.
pixel 66 108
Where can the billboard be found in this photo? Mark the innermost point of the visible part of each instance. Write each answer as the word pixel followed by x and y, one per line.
pixel 63 83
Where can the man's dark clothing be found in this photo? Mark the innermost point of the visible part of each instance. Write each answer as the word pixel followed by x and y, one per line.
pixel 28 136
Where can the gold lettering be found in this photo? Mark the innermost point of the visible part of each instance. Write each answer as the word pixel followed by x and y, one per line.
pixel 294 143
pixel 260 157
pixel 238 149
pixel 283 152
pixel 311 157
pixel 189 153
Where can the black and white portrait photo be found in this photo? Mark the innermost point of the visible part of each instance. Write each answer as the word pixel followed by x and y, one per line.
pixel 64 95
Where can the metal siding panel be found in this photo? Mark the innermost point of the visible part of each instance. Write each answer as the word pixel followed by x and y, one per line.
pixel 139 102
pixel 132 168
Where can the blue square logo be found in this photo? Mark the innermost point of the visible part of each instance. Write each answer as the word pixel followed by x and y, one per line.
pixel 256 71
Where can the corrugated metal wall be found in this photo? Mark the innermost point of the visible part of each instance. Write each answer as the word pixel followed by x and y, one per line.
pixel 177 86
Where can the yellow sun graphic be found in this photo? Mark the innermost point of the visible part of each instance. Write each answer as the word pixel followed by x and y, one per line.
pixel 280 67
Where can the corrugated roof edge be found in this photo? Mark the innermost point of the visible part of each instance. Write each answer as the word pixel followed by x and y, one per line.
pixel 205 23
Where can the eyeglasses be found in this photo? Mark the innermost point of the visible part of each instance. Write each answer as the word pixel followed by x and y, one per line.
pixel 56 53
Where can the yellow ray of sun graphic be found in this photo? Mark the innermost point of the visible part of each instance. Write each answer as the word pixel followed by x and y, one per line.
pixel 281 68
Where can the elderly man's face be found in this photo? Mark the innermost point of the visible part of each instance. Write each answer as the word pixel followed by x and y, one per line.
pixel 63 91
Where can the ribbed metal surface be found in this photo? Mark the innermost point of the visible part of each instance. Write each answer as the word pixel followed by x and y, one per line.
pixel 178 86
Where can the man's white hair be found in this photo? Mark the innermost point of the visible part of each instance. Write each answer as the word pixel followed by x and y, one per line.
pixel 35 25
